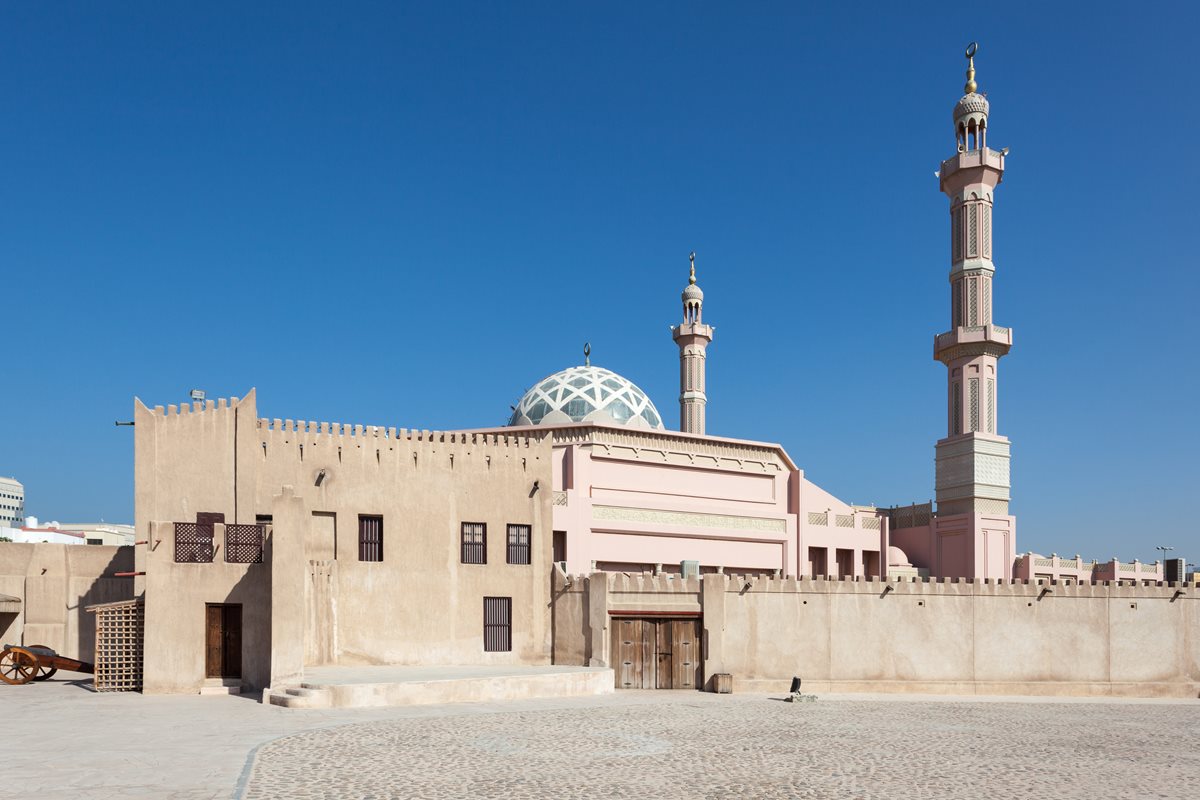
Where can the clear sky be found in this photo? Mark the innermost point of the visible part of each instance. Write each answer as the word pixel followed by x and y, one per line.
pixel 405 215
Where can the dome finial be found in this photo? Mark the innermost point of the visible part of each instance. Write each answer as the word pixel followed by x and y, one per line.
pixel 692 258
pixel 971 86
pixel 587 354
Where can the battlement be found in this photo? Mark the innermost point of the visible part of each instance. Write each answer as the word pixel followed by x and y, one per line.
pixel 1036 589
pixel 217 407
pixel 273 429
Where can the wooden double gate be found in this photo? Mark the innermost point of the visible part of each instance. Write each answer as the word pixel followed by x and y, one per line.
pixel 649 653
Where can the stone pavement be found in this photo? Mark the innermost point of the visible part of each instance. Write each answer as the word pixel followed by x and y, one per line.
pixel 66 742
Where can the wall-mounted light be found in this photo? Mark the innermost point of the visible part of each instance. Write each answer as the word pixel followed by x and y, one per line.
pixel 197 395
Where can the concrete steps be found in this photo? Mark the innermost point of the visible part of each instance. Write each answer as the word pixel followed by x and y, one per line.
pixel 298 697
pixel 373 687
pixel 221 686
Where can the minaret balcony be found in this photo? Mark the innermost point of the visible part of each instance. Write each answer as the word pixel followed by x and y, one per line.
pixel 995 335
pixel 693 329
pixel 971 159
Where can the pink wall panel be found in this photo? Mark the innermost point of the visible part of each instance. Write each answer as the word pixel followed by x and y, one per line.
pixel 614 477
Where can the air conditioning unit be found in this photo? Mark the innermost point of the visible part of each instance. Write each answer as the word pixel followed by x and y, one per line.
pixel 689 569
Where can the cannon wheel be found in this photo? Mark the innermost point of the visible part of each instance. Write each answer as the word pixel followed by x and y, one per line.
pixel 45 673
pixel 18 666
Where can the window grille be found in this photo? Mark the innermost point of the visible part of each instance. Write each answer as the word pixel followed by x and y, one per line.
pixel 956 297
pixel 987 231
pixel 991 401
pixel 957 392
pixel 518 544
pixel 974 401
pixel 497 624
pixel 474 543
pixel 193 543
pixel 956 223
pixel 243 544
pixel 370 538
pixel 973 230
pixel 973 302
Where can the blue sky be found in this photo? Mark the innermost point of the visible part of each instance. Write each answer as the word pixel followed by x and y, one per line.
pixel 405 215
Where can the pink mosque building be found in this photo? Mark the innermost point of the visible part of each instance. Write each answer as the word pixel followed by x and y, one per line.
pixel 630 495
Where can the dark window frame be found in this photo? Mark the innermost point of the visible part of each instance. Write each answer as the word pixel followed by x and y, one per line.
pixel 473 551
pixel 516 550
pixel 497 624
pixel 370 542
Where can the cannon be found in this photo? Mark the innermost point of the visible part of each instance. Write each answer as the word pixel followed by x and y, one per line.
pixel 20 665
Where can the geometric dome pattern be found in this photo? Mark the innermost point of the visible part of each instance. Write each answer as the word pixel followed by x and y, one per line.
pixel 586 394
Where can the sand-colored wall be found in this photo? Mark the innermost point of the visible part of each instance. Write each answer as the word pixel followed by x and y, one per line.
pixel 961 637
pixel 55 582
pixel 314 601
pixel 176 597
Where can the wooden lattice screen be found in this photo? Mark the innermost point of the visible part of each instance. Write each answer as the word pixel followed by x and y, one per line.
pixel 119 635
pixel 243 544
pixel 193 543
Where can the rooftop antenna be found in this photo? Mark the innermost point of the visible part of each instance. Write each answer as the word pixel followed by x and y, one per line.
pixel 587 354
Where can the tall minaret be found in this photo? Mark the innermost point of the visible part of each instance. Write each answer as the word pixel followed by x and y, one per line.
pixel 973 460
pixel 693 337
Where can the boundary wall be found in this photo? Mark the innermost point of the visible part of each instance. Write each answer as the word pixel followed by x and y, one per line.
pixel 54 582
pixel 940 636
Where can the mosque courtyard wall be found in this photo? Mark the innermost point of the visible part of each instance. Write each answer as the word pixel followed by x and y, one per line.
pixel 960 637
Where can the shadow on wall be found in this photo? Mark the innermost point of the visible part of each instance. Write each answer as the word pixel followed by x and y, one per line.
pixel 105 588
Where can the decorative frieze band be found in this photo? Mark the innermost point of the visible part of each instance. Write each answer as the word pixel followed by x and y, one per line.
pixel 688 519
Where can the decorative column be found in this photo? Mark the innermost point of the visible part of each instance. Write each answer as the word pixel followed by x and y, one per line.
pixel 692 336
pixel 973 459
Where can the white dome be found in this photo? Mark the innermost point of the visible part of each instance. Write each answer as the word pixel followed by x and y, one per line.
pixel 586 394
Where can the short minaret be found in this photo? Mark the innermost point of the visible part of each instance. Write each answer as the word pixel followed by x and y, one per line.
pixel 692 336
pixel 973 459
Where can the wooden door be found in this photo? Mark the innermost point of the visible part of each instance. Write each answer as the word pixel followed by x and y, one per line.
pixel 663 652
pixel 223 641
pixel 687 667
pixel 633 653
pixel 657 653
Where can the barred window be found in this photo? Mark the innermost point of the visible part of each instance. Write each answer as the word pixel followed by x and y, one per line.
pixel 474 543
pixel 518 544
pixel 370 538
pixel 497 624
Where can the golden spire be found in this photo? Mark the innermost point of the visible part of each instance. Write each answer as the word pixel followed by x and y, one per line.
pixel 692 279
pixel 971 86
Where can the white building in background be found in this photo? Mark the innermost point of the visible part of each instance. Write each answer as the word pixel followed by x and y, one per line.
pixel 98 532
pixel 71 533
pixel 12 503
